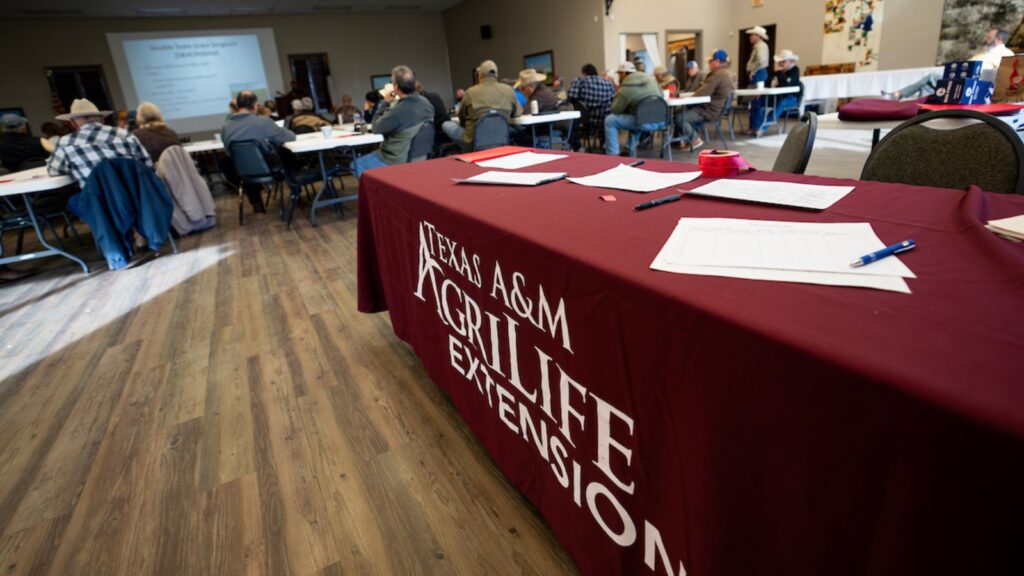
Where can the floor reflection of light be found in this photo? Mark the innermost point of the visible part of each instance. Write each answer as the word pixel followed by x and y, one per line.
pixel 108 296
pixel 848 140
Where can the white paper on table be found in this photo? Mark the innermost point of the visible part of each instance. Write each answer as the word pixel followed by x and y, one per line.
pixel 810 196
pixel 891 283
pixel 521 160
pixel 1013 226
pixel 512 178
pixel 762 244
pixel 779 251
pixel 631 179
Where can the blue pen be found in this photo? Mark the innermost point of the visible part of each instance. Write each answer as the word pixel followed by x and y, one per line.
pixel 897 248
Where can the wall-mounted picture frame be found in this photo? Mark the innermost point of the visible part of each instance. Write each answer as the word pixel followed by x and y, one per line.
pixel 378 81
pixel 543 62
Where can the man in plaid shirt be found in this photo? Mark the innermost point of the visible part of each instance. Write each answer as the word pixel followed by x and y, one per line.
pixel 595 92
pixel 92 142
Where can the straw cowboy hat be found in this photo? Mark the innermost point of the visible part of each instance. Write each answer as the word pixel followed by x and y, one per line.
pixel 758 31
pixel 529 76
pixel 786 54
pixel 82 107
pixel 659 69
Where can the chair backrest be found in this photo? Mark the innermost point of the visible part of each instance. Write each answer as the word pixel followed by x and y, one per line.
pixel 491 131
pixel 250 161
pixel 422 143
pixel 796 150
pixel 585 122
pixel 305 129
pixel 986 153
pixel 652 110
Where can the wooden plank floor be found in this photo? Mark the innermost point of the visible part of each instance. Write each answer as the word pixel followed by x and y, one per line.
pixel 227 411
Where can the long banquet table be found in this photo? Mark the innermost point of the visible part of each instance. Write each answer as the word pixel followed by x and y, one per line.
pixel 663 422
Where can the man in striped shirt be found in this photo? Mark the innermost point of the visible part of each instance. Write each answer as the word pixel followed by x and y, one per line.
pixel 92 142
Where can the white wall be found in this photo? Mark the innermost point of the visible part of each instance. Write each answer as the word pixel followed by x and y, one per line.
pixel 357 46
pixel 910 29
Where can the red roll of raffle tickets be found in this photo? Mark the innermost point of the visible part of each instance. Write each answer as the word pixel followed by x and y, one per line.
pixel 722 164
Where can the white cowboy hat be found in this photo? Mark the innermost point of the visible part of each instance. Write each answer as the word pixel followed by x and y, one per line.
pixel 786 54
pixel 758 31
pixel 529 76
pixel 627 67
pixel 82 107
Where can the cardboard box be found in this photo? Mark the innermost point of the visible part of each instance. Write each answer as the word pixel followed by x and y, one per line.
pixel 962 70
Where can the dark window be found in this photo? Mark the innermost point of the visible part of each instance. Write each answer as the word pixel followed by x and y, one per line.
pixel 311 72
pixel 70 82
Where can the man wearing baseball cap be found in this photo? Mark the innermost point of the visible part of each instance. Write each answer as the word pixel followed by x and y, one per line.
pixel 16 144
pixel 486 95
pixel 718 85
pixel 633 87
pixel 91 143
pixel 694 77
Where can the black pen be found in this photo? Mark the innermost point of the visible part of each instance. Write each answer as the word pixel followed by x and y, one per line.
pixel 635 164
pixel 658 202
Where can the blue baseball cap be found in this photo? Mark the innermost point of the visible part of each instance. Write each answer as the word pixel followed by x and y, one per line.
pixel 720 55
pixel 692 64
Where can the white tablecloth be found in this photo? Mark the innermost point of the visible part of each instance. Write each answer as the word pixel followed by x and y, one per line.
pixel 862 83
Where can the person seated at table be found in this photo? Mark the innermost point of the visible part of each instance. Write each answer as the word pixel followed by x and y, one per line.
pixel 520 97
pixel 398 120
pixel 52 131
pixel 346 111
pixel 306 120
pixel 718 85
pixel 271 106
pixel 666 81
pixel 154 134
pixel 16 144
pixel 634 86
pixel 440 112
pixel 486 95
pixel 91 142
pixel 694 77
pixel 370 104
pixel 531 84
pixel 457 102
pixel 787 74
pixel 596 93
pixel 247 125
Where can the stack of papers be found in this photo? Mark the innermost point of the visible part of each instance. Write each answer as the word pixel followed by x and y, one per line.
pixel 781 251
pixel 630 179
pixel 512 178
pixel 810 196
pixel 1012 228
pixel 521 160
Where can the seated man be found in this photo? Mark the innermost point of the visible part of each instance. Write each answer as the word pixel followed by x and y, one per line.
pixel 596 93
pixel 91 143
pixel 633 87
pixel 306 119
pixel 991 56
pixel 347 112
pixel 787 73
pixel 718 85
pixel 531 84
pixel 440 112
pixel 248 125
pixel 694 77
pixel 486 95
pixel 16 144
pixel 398 120
pixel 666 81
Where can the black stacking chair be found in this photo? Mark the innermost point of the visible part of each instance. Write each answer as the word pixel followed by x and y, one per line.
pixel 986 153
pixel 491 131
pixel 652 110
pixel 796 150
pixel 422 143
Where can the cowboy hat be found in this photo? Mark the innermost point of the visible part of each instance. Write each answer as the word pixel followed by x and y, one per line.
pixel 758 31
pixel 529 76
pixel 786 54
pixel 659 69
pixel 627 67
pixel 82 107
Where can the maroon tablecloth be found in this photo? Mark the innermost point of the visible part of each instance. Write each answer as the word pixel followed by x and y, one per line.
pixel 727 426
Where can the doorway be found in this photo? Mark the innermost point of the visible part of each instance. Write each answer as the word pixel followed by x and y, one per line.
pixel 642 50
pixel 682 46
pixel 739 65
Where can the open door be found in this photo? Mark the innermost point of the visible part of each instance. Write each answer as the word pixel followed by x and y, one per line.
pixel 739 62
